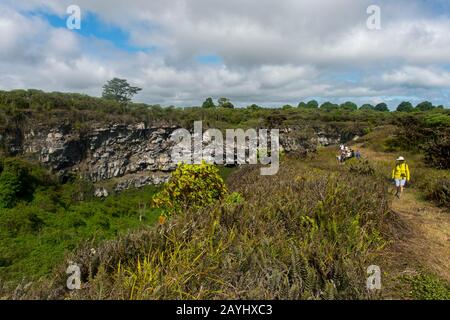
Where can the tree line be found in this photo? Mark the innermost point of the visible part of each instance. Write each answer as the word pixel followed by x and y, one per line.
pixel 404 106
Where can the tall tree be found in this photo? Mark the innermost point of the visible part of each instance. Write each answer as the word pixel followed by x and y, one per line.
pixel 119 90
pixel 382 107
pixel 254 107
pixel 367 106
pixel 209 103
pixel 349 106
pixel 425 106
pixel 225 103
pixel 328 106
pixel 405 106
pixel 313 104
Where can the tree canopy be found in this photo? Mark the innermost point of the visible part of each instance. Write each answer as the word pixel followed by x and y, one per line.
pixel 381 107
pixel 209 103
pixel 225 103
pixel 349 106
pixel 367 106
pixel 119 90
pixel 405 106
pixel 425 106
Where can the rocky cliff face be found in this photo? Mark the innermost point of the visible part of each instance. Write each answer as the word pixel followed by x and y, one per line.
pixel 131 155
pixel 136 151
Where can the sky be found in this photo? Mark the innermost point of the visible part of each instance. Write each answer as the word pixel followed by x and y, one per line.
pixel 268 52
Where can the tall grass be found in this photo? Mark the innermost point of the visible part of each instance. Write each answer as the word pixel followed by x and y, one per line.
pixel 303 234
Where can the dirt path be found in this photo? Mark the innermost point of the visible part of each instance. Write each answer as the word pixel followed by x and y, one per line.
pixel 424 243
pixel 428 242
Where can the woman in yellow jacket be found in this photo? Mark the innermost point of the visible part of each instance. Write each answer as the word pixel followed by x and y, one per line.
pixel 400 174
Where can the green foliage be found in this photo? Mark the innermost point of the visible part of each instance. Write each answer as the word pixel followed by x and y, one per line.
pixel 13 182
pixel 437 120
pixel 44 220
pixel 254 107
pixel 119 90
pixel 367 107
pixel 405 106
pixel 225 103
pixel 429 287
pixel 22 109
pixel 425 132
pixel 191 186
pixel 234 198
pixel 19 179
pixel 209 103
pixel 425 106
pixel 349 106
pixel 312 104
pixel 361 167
pixel 439 191
pixel 382 107
pixel 328 106
pixel 437 151
pixel 304 234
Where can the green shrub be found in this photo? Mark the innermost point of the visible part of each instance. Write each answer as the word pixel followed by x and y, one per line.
pixel 440 192
pixel 437 151
pixel 191 186
pixel 13 182
pixel 437 119
pixel 429 287
pixel 362 167
pixel 234 198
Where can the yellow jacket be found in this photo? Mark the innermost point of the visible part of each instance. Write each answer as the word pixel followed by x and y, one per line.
pixel 401 171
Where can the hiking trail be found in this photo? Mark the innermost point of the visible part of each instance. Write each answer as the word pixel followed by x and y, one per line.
pixel 425 241
pixel 420 229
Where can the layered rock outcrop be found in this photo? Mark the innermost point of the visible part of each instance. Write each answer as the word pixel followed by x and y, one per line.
pixel 136 155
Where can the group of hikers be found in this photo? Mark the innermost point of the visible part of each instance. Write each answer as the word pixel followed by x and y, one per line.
pixel 346 153
pixel 400 173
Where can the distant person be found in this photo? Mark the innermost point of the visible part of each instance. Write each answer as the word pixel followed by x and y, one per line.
pixel 358 154
pixel 341 156
pixel 401 175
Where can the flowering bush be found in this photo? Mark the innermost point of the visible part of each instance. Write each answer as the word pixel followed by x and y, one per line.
pixel 190 186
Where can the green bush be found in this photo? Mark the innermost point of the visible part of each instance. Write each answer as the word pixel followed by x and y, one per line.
pixel 234 198
pixel 191 186
pixel 437 151
pixel 362 167
pixel 41 220
pixel 14 181
pixel 429 287
pixel 440 192
pixel 19 179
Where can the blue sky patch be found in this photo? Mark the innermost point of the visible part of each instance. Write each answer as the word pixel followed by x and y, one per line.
pixel 209 59
pixel 93 26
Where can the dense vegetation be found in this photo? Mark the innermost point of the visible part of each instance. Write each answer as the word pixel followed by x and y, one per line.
pixel 18 106
pixel 308 232
pixel 301 234
pixel 41 220
pixel 191 187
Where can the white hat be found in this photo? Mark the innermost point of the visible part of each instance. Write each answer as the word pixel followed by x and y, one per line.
pixel 401 159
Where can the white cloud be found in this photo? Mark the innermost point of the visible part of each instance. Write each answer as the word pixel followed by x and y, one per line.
pixel 418 77
pixel 272 51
